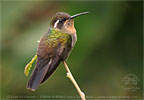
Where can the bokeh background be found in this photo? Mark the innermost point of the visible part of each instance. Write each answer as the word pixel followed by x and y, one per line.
pixel 109 48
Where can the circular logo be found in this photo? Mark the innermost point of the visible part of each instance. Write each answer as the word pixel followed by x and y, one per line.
pixel 130 79
pixel 130 82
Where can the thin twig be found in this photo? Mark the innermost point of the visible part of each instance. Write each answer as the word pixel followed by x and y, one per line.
pixel 69 75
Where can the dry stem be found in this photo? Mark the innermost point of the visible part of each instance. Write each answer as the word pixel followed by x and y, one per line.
pixel 69 75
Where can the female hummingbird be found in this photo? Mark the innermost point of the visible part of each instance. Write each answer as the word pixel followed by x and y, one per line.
pixel 54 47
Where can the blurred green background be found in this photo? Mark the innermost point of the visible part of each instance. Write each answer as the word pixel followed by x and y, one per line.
pixel 109 47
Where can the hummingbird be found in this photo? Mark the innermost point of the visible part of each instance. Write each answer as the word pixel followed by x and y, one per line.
pixel 54 47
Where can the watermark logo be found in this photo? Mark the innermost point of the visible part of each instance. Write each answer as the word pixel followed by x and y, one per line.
pixel 131 82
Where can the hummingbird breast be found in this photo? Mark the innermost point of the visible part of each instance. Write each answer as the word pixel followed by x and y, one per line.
pixel 74 39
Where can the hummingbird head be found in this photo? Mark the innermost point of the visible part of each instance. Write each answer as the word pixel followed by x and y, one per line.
pixel 64 21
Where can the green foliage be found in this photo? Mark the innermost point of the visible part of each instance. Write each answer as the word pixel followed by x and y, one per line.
pixel 29 65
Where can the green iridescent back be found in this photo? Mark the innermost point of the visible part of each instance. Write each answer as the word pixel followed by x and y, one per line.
pixel 55 36
pixel 50 41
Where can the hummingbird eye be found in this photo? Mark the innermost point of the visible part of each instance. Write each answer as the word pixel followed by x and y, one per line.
pixel 61 20
pixel 59 23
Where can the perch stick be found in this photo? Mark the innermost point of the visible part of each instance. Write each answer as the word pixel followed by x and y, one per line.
pixel 69 75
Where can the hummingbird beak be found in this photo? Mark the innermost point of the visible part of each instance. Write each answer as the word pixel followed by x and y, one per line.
pixel 72 17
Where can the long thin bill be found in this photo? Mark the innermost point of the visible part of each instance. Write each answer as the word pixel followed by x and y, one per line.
pixel 79 14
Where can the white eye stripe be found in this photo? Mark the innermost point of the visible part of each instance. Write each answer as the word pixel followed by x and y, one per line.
pixel 55 25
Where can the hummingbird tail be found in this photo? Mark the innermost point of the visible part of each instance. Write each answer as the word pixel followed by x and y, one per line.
pixel 43 70
pixel 54 64
pixel 38 74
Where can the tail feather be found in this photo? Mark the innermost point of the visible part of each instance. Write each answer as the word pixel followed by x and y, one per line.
pixel 55 62
pixel 38 74
pixel 43 70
